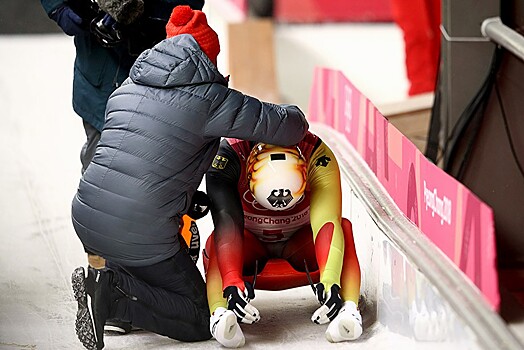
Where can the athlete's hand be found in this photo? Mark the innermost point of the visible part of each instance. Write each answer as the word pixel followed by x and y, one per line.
pixel 238 302
pixel 330 301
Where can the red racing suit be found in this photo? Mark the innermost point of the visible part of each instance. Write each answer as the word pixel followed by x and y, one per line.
pixel 248 235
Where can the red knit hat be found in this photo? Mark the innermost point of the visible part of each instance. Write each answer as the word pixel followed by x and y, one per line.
pixel 184 20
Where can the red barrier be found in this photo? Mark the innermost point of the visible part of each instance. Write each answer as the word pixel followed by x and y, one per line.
pixel 306 11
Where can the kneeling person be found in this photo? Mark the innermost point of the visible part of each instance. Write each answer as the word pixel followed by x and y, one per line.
pixel 162 129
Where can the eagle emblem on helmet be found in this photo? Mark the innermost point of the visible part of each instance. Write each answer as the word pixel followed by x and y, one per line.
pixel 280 198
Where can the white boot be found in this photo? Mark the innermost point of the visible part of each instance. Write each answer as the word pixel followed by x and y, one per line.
pixel 225 328
pixel 347 325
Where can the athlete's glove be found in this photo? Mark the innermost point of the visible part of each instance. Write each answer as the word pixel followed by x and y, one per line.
pixel 330 301
pixel 199 207
pixel 238 302
pixel 68 20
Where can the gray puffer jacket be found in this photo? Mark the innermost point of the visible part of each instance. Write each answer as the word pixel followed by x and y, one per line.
pixel 163 127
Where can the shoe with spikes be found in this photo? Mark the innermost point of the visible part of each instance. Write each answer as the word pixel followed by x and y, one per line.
pixel 347 325
pixel 93 296
pixel 225 328
pixel 84 322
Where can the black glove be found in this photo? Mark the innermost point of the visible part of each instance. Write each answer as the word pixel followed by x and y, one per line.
pixel 238 302
pixel 106 31
pixel 68 20
pixel 330 301
pixel 199 206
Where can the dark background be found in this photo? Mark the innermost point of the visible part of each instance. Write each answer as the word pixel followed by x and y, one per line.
pixel 25 17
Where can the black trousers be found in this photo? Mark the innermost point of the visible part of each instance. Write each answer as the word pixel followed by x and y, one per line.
pixel 167 298
pixel 89 148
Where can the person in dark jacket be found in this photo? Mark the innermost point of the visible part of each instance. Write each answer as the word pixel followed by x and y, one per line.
pixel 162 131
pixel 100 67
pixel 108 35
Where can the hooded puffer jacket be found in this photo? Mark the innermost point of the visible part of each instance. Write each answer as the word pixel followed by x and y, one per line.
pixel 163 127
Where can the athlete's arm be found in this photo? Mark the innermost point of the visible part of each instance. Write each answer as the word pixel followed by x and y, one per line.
pixel 227 213
pixel 326 214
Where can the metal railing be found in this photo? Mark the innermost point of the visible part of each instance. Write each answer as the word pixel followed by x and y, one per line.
pixel 498 32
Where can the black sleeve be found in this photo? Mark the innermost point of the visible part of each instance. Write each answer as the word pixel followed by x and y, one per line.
pixel 221 187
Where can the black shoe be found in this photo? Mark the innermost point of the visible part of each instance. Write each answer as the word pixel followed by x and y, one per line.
pixel 118 327
pixel 91 316
pixel 84 324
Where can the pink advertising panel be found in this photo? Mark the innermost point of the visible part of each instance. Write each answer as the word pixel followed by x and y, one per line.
pixel 450 215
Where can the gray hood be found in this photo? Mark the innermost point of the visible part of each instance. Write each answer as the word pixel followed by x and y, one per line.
pixel 176 61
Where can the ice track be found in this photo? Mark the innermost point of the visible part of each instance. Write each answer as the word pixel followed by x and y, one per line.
pixel 40 167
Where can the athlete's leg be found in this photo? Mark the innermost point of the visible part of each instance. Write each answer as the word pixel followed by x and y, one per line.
pixel 255 256
pixel 223 323
pixel 350 277
pixel 326 244
pixel 300 250
pixel 232 265
pixel 350 272
pixel 348 323
pixel 213 279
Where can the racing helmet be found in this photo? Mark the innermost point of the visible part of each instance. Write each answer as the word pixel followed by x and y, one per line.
pixel 276 175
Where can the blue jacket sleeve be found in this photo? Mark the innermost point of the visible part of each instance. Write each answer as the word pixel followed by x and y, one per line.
pixel 51 5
